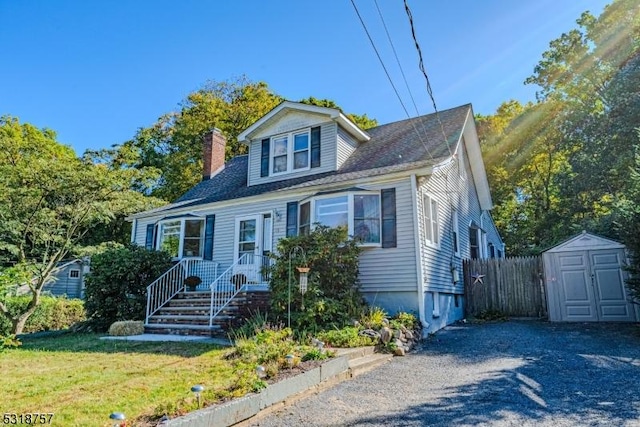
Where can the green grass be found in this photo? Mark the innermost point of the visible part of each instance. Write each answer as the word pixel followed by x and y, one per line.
pixel 82 379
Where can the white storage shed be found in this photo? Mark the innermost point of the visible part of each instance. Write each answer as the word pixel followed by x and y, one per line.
pixel 584 281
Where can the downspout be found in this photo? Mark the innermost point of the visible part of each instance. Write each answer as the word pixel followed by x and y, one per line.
pixel 416 231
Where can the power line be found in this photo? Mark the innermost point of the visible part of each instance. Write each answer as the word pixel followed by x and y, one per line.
pixel 379 57
pixel 391 81
pixel 397 59
pixel 424 73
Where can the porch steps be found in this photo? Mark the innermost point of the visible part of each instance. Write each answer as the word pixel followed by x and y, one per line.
pixel 188 314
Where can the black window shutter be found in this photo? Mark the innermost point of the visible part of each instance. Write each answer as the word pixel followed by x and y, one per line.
pixel 315 147
pixel 292 219
pixel 389 235
pixel 209 228
pixel 264 158
pixel 149 240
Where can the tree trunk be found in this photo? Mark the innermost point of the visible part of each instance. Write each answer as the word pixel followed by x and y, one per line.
pixel 18 323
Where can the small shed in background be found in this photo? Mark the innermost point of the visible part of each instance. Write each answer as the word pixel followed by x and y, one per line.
pixel 584 279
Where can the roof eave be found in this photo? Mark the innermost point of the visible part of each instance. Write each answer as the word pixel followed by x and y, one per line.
pixel 333 113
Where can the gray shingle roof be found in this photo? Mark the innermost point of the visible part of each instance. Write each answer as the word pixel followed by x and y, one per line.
pixel 393 147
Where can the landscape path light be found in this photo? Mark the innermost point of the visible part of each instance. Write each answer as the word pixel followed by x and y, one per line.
pixel 197 390
pixel 118 419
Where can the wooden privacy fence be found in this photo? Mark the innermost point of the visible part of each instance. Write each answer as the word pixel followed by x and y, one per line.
pixel 512 286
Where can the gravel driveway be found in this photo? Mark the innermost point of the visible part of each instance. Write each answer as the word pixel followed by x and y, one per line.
pixel 526 373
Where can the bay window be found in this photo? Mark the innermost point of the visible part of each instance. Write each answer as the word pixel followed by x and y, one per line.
pixel 182 238
pixel 359 213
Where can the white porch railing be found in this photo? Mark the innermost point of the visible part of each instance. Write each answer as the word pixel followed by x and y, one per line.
pixel 249 271
pixel 171 282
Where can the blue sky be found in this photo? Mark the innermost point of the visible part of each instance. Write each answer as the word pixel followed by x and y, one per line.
pixel 95 71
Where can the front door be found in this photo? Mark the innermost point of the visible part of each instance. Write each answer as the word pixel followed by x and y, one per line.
pixel 253 243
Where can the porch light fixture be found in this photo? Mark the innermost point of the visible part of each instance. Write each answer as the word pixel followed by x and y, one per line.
pixel 197 390
pixel 117 417
pixel 304 281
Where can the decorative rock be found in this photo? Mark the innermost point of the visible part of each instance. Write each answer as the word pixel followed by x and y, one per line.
pixel 385 335
pixel 399 351
pixel 369 333
pixel 397 334
pixel 409 335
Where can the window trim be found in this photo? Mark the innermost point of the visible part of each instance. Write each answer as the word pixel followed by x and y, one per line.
pixel 433 224
pixel 350 213
pixel 74 270
pixel 290 139
pixel 182 221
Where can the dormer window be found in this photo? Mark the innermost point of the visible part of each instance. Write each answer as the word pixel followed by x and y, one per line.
pixel 290 152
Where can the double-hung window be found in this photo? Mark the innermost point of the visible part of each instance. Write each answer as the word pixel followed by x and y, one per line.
pixel 290 152
pixel 182 238
pixel 431 221
pixel 359 213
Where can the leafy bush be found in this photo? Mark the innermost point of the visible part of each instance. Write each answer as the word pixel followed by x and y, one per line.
pixel 373 318
pixel 9 341
pixel 126 328
pixel 117 285
pixel 346 337
pixel 53 313
pixel 408 320
pixel 332 298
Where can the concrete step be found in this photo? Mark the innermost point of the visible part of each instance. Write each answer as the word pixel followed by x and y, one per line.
pixel 356 352
pixel 182 329
pixel 367 363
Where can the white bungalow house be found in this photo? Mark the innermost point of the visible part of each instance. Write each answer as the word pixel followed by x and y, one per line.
pixel 414 191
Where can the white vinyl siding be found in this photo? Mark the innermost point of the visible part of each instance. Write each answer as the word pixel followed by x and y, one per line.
pixel 328 141
pixel 382 270
pixel 346 146
pixel 386 270
pixel 459 195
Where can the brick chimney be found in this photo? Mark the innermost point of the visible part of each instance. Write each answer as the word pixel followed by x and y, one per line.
pixel 213 153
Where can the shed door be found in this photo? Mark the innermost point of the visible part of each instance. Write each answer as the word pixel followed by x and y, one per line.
pixel 609 286
pixel 577 299
pixel 592 287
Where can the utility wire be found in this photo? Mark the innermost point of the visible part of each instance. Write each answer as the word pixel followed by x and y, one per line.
pixel 404 77
pixel 391 81
pixel 397 59
pixel 424 73
pixel 379 57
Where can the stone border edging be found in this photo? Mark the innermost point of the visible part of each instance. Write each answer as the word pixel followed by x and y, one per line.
pixel 237 410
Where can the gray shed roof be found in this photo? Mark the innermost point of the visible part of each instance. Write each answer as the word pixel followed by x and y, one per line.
pixel 398 146
pixel 585 241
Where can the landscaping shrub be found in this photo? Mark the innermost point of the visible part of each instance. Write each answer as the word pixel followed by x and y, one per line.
pixel 53 313
pixel 126 327
pixel 117 285
pixel 332 298
pixel 346 337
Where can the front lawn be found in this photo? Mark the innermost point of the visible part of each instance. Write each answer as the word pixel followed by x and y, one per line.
pixel 82 379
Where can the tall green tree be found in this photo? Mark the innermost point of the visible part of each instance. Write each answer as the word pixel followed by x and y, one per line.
pixel 49 201
pixel 562 165
pixel 173 145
